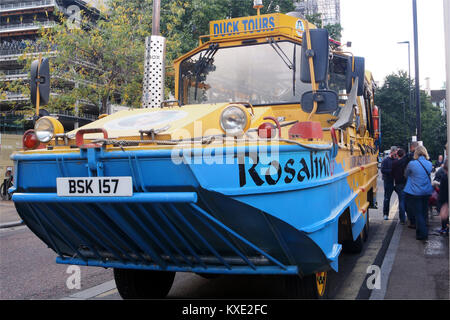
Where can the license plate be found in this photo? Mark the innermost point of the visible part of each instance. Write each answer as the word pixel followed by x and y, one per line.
pixel 94 187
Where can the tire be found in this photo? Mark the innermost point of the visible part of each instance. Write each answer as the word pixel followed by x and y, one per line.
pixel 3 194
pixel 208 275
pixel 143 284
pixel 353 246
pixel 307 287
pixel 366 228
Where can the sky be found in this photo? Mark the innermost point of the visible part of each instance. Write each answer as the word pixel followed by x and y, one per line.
pixel 375 26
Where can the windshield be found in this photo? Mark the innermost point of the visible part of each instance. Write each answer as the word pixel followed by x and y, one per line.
pixel 260 74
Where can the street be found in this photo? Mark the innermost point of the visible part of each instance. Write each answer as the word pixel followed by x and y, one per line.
pixel 28 270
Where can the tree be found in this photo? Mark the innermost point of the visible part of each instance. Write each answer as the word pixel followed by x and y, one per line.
pixel 93 64
pixel 98 64
pixel 335 30
pixel 398 121
pixel 184 21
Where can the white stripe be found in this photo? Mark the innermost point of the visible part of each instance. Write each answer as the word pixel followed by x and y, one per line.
pixel 93 292
pixel 388 262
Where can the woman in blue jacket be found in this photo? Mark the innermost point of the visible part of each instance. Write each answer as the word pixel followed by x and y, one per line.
pixel 417 191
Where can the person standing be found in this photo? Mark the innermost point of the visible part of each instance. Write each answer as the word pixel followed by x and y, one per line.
pixel 443 200
pixel 417 191
pixel 412 148
pixel 439 162
pixel 388 180
pixel 398 173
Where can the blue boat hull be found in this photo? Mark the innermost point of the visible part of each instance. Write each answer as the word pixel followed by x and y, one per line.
pixel 246 216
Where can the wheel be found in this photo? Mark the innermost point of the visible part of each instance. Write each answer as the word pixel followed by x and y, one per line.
pixel 208 275
pixel 3 193
pixel 314 286
pixel 143 284
pixel 356 246
pixel 366 228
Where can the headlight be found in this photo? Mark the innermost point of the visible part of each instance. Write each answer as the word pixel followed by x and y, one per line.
pixel 234 120
pixel 46 128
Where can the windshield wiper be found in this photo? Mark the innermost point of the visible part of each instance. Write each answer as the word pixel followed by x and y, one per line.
pixel 203 62
pixel 286 60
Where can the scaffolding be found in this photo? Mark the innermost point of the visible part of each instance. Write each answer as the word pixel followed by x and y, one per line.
pixel 330 10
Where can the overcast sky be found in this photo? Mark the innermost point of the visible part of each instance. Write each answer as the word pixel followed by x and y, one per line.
pixel 375 26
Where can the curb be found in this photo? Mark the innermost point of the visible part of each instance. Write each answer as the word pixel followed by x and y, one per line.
pixel 11 224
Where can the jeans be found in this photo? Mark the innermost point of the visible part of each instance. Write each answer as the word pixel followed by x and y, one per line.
pixel 388 189
pixel 401 201
pixel 417 209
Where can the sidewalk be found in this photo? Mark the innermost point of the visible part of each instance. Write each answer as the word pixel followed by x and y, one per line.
pixel 8 215
pixel 420 269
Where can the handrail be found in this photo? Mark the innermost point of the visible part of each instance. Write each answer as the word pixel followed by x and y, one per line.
pixel 29 4
pixel 28 25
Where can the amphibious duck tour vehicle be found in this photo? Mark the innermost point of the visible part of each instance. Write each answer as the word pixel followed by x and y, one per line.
pixel 265 165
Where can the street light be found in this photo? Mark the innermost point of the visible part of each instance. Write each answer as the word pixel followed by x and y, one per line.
pixel 409 71
pixel 409 85
pixel 416 63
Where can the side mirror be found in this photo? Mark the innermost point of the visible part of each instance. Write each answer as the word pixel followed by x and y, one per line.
pixel 358 71
pixel 327 101
pixel 40 74
pixel 319 51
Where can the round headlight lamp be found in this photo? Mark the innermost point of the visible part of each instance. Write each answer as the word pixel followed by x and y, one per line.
pixel 46 128
pixel 234 120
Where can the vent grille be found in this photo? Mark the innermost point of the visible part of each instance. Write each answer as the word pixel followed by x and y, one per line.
pixel 154 72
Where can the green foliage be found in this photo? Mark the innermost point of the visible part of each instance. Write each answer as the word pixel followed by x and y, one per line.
pixel 335 30
pixel 98 63
pixel 398 121
pixel 315 18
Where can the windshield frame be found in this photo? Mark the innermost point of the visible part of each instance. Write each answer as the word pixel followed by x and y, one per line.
pixel 234 44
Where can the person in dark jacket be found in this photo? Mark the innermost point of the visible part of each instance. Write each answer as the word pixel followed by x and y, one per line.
pixel 439 162
pixel 439 174
pixel 417 191
pixel 388 180
pixel 443 200
pixel 398 173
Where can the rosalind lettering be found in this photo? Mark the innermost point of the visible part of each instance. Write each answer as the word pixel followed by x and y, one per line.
pixel 300 169
pixel 199 310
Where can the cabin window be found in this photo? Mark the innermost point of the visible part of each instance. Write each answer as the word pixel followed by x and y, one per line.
pixel 337 77
pixel 261 74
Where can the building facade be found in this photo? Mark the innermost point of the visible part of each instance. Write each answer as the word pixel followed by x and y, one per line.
pixel 438 99
pixel 20 22
pixel 330 10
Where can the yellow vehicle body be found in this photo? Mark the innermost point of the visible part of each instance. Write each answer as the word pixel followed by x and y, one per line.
pixel 294 212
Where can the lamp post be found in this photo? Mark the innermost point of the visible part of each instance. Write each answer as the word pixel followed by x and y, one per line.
pixel 409 88
pixel 406 125
pixel 409 71
pixel 416 57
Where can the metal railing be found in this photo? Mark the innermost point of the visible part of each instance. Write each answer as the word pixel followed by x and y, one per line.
pixel 13 72
pixel 68 113
pixel 12 96
pixel 27 25
pixel 18 52
pixel 24 5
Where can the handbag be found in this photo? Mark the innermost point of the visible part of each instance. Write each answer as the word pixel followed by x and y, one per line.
pixel 433 200
pixel 429 199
